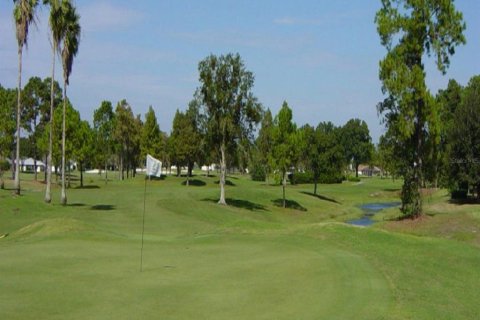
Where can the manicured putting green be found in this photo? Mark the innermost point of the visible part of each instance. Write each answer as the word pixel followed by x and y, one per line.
pixel 208 277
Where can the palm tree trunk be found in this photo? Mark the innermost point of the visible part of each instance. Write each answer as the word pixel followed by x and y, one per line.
pixel 17 156
pixel 64 194
pixel 106 176
pixel 48 192
pixel 223 169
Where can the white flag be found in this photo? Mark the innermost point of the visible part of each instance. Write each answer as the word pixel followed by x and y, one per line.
pixel 154 166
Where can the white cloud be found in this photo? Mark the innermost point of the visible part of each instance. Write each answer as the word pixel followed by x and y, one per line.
pixel 105 16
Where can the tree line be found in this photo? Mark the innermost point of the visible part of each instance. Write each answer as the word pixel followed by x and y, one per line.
pixel 219 126
pixel 428 141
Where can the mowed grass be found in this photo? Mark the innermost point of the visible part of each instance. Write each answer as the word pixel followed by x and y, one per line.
pixel 250 260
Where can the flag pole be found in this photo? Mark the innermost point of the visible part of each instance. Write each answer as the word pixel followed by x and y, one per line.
pixel 143 222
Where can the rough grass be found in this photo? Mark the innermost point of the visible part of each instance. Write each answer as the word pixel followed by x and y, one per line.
pixel 250 260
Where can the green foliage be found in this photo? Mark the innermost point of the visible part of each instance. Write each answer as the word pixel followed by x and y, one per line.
pixel 264 143
pixel 230 109
pixel 283 137
pixel 285 148
pixel 464 137
pixel 151 142
pixel 357 143
pixel 322 153
pixel 185 139
pixel 353 179
pixel 127 135
pixel 103 126
pixel 257 171
pixel 24 16
pixel 448 101
pixel 301 178
pixel 4 165
pixel 410 30
pixel 411 198
pixel 8 122
pixel 83 143
pixel 331 157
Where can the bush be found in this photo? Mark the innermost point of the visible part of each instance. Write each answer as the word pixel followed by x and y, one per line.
pixel 459 190
pixel 353 179
pixel 4 165
pixel 300 178
pixel 459 194
pixel 330 178
pixel 257 172
pixel 307 177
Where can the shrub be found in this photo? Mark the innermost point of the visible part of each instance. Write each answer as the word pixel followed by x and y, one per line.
pixel 4 165
pixel 353 179
pixel 257 172
pixel 330 178
pixel 300 178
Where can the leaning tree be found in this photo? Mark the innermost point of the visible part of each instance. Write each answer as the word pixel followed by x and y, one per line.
pixel 411 30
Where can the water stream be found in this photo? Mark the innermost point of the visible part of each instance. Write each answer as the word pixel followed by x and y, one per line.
pixel 369 210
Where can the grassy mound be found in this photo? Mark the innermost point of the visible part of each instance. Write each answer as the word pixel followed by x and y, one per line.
pixel 250 260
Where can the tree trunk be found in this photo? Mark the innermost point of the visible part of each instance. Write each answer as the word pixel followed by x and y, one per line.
pixel 81 175
pixel 356 169
pixel 19 93
pixel 106 176
pixel 284 184
pixel 35 149
pixel 63 200
pixel 45 170
pixel 13 164
pixel 178 170
pixel 69 175
pixel 121 168
pixel 48 192
pixel 223 170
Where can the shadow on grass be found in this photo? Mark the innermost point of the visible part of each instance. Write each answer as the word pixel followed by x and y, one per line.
pixel 194 183
pixel 242 204
pixel 319 196
pixel 392 189
pixel 88 187
pixel 154 178
pixel 227 183
pixel 76 205
pixel 103 207
pixel 290 204
pixel 461 202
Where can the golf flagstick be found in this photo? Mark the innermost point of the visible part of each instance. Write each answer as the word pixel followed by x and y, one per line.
pixel 154 168
pixel 143 223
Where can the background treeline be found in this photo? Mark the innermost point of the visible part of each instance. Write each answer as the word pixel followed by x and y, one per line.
pixel 451 153
pixel 279 152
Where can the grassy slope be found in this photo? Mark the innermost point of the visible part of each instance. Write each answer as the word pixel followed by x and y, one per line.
pixel 251 260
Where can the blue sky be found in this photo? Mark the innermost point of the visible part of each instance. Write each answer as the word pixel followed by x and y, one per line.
pixel 319 55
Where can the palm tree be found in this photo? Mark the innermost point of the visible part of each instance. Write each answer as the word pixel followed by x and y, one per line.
pixel 24 15
pixel 71 41
pixel 57 33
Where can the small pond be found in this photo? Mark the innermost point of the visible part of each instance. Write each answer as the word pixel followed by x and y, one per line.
pixel 369 210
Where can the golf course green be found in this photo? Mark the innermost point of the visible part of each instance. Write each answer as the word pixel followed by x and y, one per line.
pixel 250 260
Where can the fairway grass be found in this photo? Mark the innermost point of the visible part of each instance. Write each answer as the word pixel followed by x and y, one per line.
pixel 250 260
